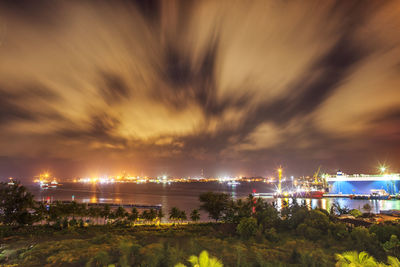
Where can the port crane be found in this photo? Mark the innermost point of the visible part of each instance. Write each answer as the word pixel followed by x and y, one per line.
pixel 316 175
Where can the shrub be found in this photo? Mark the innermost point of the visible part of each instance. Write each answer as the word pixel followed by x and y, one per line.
pixel 247 227
pixel 355 212
pixel 271 235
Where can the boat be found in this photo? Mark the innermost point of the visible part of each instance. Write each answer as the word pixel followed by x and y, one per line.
pixel 11 181
pixel 358 196
pixel 44 181
pixel 379 194
pixel 44 185
pixel 53 184
pixel 233 183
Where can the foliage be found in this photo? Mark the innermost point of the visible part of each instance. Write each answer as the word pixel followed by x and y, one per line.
pixel 363 259
pixel 392 246
pixel 15 202
pixel 353 258
pixel 214 203
pixel 176 214
pixel 195 215
pixel 247 227
pixel 363 240
pixel 134 215
pixel 355 212
pixel 203 260
pixel 250 232
pixel 149 215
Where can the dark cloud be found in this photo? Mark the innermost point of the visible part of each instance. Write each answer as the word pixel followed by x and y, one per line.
pixel 113 88
pixel 150 9
pixel 13 103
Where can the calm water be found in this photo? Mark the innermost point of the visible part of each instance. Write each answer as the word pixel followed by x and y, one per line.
pixel 181 195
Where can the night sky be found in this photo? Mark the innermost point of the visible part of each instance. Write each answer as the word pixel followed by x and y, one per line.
pixel 173 87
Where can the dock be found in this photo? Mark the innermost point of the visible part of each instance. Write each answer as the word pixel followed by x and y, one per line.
pixel 264 195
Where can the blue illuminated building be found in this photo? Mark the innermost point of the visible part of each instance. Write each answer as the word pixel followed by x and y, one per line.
pixel 363 184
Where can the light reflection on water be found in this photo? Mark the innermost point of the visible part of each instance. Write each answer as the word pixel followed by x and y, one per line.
pixel 185 195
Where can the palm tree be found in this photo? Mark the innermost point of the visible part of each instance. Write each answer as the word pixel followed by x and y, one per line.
pixel 160 214
pixel 94 213
pixel 182 215
pixel 120 213
pixel 134 215
pixel 195 215
pixel 204 260
pixel 393 261
pixel 152 215
pixel 106 212
pixel 355 259
pixel 145 216
pixel 174 213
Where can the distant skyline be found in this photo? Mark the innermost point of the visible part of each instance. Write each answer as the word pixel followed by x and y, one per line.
pixel 173 87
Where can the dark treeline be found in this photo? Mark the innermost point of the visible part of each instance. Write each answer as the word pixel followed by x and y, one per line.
pixel 18 208
pixel 295 235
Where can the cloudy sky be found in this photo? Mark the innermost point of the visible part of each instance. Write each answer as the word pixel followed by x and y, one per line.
pixel 233 87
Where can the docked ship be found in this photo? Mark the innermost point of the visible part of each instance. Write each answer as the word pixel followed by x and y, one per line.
pixel 375 186
pixel 46 181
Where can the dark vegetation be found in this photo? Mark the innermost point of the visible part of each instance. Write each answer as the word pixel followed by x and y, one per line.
pixel 248 232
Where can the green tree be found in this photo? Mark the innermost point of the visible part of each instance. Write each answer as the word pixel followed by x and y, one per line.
pixel 15 204
pixel 266 214
pixel 176 214
pixel 106 212
pixel 392 246
pixel 247 227
pixel 120 213
pixel 363 240
pixel 41 212
pixel 183 216
pixel 152 214
pixel 195 215
pixel 214 203
pixel 55 212
pixel 203 260
pixel 133 215
pixel 149 215
pixel 94 213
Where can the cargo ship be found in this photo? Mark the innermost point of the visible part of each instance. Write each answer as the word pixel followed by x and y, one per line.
pixel 362 184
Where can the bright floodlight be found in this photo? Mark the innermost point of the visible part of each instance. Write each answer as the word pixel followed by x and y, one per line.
pixel 382 169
